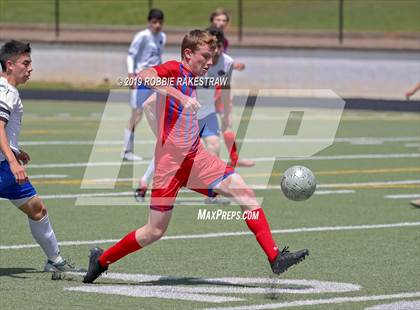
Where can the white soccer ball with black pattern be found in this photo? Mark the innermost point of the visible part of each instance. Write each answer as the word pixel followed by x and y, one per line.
pixel 298 183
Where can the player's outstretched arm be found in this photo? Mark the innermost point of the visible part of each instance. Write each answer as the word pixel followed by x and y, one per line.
pixel 17 169
pixel 151 74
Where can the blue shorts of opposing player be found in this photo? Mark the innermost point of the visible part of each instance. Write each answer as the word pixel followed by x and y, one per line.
pixel 209 126
pixel 11 190
pixel 139 96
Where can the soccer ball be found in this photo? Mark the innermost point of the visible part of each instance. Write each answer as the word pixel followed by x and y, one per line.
pixel 298 183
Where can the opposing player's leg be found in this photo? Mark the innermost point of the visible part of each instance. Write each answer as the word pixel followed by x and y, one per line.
pixel 135 118
pixel 212 144
pixel 137 99
pixel 44 235
pixel 209 132
pixel 234 186
pixel 140 192
pixel 149 109
pixel 25 198
pixel 235 161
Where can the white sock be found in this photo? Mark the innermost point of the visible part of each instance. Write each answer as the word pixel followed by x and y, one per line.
pixel 128 140
pixel 149 172
pixel 43 234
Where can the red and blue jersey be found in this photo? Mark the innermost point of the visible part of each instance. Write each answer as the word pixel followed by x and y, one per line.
pixel 176 125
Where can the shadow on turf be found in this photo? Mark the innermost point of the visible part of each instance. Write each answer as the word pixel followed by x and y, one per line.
pixel 16 272
pixel 271 292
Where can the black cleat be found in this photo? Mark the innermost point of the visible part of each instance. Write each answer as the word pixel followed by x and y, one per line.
pixel 94 269
pixel 286 259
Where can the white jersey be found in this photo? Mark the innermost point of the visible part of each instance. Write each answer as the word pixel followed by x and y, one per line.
pixel 11 111
pixel 145 50
pixel 222 69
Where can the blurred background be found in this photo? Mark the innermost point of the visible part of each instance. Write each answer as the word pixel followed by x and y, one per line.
pixel 357 48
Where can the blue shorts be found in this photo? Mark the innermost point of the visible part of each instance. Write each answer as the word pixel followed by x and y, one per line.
pixel 139 96
pixel 11 190
pixel 209 126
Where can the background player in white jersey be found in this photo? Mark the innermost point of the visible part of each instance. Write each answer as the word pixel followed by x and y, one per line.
pixel 220 18
pixel 145 51
pixel 207 116
pixel 16 66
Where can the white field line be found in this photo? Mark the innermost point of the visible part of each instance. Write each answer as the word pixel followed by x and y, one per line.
pixel 49 176
pixel 255 187
pixel 353 140
pixel 258 159
pixel 326 301
pixel 408 196
pixel 402 305
pixel 373 184
pixel 412 145
pixel 335 185
pixel 229 234
pixel 131 194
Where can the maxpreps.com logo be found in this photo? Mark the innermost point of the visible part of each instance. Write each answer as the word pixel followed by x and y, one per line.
pixel 219 214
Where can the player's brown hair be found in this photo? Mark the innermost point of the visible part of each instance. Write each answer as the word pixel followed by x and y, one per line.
pixel 218 12
pixel 196 38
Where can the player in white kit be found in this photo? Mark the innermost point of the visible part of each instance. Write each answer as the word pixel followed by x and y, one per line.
pixel 16 66
pixel 145 51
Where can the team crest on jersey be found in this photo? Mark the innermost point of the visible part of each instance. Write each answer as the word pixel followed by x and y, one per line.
pixel 221 72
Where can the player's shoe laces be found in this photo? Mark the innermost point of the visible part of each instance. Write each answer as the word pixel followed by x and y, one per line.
pixel 216 201
pixel 64 266
pixel 94 269
pixel 286 259
pixel 130 156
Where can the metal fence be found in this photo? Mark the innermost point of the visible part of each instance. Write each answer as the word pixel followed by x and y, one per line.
pixel 247 16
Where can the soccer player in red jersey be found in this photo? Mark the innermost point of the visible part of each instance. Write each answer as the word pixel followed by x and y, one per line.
pixel 182 161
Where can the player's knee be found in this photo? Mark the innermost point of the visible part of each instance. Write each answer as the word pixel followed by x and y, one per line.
pixel 213 146
pixel 137 112
pixel 236 186
pixel 37 209
pixel 156 233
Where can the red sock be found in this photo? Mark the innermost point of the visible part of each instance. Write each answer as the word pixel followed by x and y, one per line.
pixel 125 246
pixel 262 233
pixel 229 137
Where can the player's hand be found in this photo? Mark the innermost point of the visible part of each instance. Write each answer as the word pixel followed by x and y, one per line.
pixel 19 172
pixel 408 95
pixel 23 157
pixel 238 66
pixel 191 104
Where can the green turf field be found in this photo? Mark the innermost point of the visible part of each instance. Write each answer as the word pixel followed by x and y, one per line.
pixel 359 15
pixel 359 238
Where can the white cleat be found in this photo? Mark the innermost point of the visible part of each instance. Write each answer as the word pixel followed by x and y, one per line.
pixel 130 156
